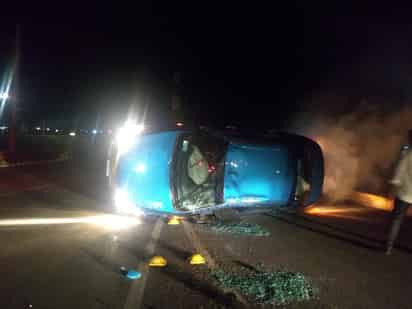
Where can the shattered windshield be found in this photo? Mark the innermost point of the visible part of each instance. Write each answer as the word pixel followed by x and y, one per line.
pixel 198 171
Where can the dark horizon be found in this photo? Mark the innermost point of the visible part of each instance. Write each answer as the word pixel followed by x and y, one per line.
pixel 253 67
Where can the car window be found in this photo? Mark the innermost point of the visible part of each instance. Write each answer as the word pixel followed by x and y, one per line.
pixel 199 171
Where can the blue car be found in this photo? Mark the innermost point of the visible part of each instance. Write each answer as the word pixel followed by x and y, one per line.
pixel 188 173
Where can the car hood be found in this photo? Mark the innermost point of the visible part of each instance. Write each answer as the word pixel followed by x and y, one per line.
pixel 258 174
pixel 144 172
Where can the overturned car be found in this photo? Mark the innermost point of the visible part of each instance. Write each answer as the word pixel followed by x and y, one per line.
pixel 198 172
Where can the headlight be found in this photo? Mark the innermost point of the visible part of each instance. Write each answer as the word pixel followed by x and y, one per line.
pixel 124 205
pixel 126 136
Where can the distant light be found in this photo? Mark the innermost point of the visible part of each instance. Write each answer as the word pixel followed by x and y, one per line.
pixel 4 96
pixel 38 128
pixel 140 168
pixel 72 133
pixel 94 131
pixel 47 129
pixel 3 128
pixel 57 131
pixel 179 124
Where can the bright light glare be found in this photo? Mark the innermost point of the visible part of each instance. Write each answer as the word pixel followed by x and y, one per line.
pixel 126 136
pixel 94 131
pixel 38 128
pixel 113 222
pixel 140 168
pixel 4 95
pixel 72 133
pixel 5 88
pixel 124 205
pixel 57 131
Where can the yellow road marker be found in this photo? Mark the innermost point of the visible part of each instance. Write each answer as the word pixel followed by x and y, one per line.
pixel 174 221
pixel 157 261
pixel 197 259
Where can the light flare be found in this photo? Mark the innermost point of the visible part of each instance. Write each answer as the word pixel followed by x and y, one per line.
pixel 124 205
pixel 5 89
pixel 126 136
pixel 111 222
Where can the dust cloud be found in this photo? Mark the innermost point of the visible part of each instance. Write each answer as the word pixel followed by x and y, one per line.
pixel 360 146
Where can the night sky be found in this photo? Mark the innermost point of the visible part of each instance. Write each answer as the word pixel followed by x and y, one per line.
pixel 243 64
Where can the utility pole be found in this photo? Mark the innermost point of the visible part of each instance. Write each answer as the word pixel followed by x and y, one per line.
pixel 13 118
pixel 177 102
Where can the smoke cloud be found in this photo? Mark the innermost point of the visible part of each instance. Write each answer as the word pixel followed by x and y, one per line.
pixel 360 146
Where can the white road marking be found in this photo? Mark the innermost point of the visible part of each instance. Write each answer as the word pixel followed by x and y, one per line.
pixel 211 263
pixel 136 292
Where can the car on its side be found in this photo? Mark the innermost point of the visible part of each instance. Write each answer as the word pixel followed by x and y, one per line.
pixel 196 172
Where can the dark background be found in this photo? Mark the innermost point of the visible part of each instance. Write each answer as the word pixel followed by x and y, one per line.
pixel 249 65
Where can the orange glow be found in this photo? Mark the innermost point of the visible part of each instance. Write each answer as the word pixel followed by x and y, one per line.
pixel 320 142
pixel 337 212
pixel 329 210
pixel 373 201
pixel 367 200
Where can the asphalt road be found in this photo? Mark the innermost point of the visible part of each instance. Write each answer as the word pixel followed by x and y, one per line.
pixel 77 265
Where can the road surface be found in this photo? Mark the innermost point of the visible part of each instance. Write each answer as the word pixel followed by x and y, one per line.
pixel 77 265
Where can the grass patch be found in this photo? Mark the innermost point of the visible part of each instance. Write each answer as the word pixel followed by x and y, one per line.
pixel 269 287
pixel 241 228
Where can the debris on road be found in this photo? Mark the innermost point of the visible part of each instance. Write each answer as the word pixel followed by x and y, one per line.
pixel 157 261
pixel 268 287
pixel 197 259
pixel 133 274
pixel 123 270
pixel 241 228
